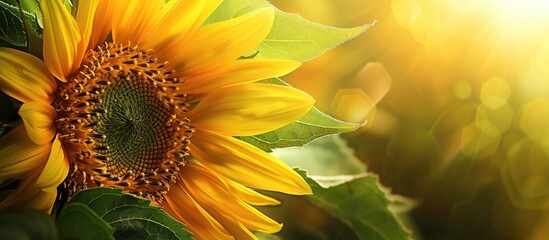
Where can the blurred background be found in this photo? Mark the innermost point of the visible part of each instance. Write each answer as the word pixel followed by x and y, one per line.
pixel 456 95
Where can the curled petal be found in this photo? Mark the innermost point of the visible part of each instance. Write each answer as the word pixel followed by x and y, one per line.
pixel 38 118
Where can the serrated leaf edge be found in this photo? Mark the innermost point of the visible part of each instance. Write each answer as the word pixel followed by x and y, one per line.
pixel 363 29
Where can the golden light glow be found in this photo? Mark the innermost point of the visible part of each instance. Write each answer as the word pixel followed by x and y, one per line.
pixel 475 74
pixel 522 11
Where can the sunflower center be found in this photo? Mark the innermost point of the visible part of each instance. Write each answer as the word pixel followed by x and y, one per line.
pixel 134 135
pixel 122 122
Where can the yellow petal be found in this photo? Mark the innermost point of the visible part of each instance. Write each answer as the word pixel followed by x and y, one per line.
pixel 102 22
pixel 38 118
pixel 61 39
pixel 19 156
pixel 182 207
pixel 134 19
pixel 246 164
pixel 250 109
pixel 250 196
pixel 27 195
pixel 242 71
pixel 24 77
pixel 85 20
pixel 56 168
pixel 208 190
pixel 217 44
pixel 174 28
pixel 236 228
pixel 43 200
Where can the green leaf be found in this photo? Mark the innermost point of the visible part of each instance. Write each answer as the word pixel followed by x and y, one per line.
pixel 313 125
pixel 21 27
pixel 12 32
pixel 361 202
pixel 132 217
pixel 33 26
pixel 342 187
pixel 291 37
pixel 327 156
pixel 78 221
pixel 26 224
pixel 32 7
pixel 230 9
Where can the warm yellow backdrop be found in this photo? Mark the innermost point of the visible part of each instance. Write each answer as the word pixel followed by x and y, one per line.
pixel 456 94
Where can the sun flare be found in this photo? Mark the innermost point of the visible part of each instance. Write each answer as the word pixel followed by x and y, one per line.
pixel 523 8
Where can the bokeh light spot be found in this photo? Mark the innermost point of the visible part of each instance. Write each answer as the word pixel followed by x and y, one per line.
pixel 480 139
pixel 501 117
pixel 463 90
pixel 374 80
pixel 352 105
pixel 525 176
pixel 535 119
pixel 495 92
pixel 405 11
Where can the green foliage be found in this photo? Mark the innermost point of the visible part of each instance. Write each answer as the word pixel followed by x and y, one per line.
pixel 26 224
pixel 342 187
pixel 95 213
pixel 132 217
pixel 291 37
pixel 33 8
pixel 78 221
pixel 20 28
pixel 13 32
pixel 295 38
pixel 361 202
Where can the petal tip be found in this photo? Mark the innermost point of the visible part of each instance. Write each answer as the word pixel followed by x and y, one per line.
pixel 303 189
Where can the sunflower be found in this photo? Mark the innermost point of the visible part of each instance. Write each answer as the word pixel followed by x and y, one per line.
pixel 142 96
